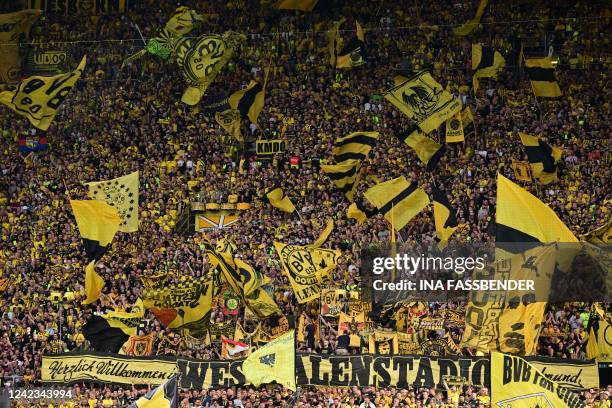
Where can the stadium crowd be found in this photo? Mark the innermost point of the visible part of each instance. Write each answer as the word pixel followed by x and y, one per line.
pixel 118 121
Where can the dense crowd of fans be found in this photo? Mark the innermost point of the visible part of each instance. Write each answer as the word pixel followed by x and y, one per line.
pixel 118 121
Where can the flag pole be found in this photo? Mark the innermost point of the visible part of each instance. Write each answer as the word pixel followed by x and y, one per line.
pixel 66 189
pixel 393 241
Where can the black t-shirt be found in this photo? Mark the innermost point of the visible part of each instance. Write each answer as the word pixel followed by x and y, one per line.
pixel 343 341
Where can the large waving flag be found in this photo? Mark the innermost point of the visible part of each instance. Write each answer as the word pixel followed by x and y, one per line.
pixel 38 98
pixel 98 223
pixel 274 362
pixel 164 396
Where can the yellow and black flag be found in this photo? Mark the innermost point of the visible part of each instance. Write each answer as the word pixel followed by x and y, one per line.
pixel 542 157
pixel 423 100
pixel 486 63
pixel 599 343
pixel 274 362
pixel 345 175
pixel 522 217
pixel 352 53
pixel 277 198
pixel 39 97
pixel 428 151
pixel 249 101
pixel 355 146
pixel 522 170
pixel 102 336
pixel 542 76
pixel 183 21
pixel 127 322
pixel 14 26
pixel 98 223
pixel 444 215
pixel 500 322
pixel 229 120
pixel 122 194
pixel 460 126
pixel 244 281
pixel 201 59
pixel 315 6
pixel 398 200
pixel 164 396
pixel 307 268
pixel 185 305
pixel 359 212
pixel 601 235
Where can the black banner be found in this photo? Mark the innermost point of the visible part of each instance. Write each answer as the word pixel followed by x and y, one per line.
pixel 361 371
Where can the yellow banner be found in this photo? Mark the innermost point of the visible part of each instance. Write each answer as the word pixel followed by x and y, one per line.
pixel 517 383
pixel 574 374
pixel 98 367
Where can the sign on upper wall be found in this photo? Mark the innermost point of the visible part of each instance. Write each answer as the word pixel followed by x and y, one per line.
pixel 78 6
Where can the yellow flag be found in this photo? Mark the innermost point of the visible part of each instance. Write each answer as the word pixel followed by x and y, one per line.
pixel 38 98
pixel 486 63
pixel 522 217
pixel 541 73
pixel 274 362
pixel 183 21
pixel 164 396
pixel 522 170
pixel 277 198
pixel 93 284
pixel 229 120
pixel 249 101
pixel 511 322
pixel 303 5
pixel 201 59
pixel 122 194
pixel 98 223
pixel 244 281
pixel 444 215
pixel 542 158
pixel 454 129
pixel 12 27
pixel 324 234
pixel 345 176
pixel 185 305
pixel 405 199
pixel 424 101
pixel 128 322
pixel 515 383
pixel 599 343
pixel 601 235
pixel 356 213
pixel 383 342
